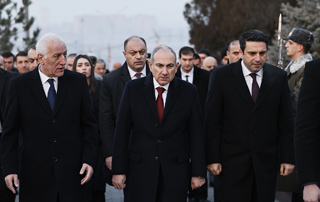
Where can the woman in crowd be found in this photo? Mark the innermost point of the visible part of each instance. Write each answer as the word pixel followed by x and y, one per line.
pixel 96 186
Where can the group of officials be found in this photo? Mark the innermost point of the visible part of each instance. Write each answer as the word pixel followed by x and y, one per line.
pixel 161 125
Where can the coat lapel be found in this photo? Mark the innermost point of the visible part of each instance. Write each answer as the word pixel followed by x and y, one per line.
pixel 266 85
pixel 125 76
pixel 38 92
pixel 173 93
pixel 63 85
pixel 148 90
pixel 240 83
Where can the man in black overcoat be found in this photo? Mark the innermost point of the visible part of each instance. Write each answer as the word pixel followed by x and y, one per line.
pixel 307 132
pixel 52 109
pixel 249 124
pixel 159 121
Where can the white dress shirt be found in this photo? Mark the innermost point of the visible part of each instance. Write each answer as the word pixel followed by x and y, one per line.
pixel 190 74
pixel 165 92
pixel 248 78
pixel 133 73
pixel 45 83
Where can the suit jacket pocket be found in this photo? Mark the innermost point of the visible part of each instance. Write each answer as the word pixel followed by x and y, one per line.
pixel 181 158
pixel 134 157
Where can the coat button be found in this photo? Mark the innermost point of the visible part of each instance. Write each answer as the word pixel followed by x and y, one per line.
pixel 156 125
pixel 156 158
pixel 159 141
pixel 53 120
pixel 55 159
pixel 54 140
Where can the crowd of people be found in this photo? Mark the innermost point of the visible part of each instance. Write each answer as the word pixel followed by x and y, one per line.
pixel 154 127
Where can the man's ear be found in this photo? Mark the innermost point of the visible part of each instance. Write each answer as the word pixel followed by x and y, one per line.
pixel 40 58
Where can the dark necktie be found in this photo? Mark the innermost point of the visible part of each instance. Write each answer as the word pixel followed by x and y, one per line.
pixel 187 78
pixel 138 75
pixel 255 87
pixel 51 93
pixel 160 106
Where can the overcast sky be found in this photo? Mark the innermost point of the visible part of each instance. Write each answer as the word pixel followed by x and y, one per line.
pixel 166 11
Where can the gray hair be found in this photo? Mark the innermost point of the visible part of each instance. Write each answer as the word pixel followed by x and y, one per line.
pixel 42 44
pixel 167 48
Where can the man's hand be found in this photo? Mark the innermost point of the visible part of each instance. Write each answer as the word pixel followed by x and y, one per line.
pixel 86 168
pixel 215 168
pixel 11 180
pixel 118 181
pixel 311 193
pixel 286 169
pixel 197 182
pixel 109 162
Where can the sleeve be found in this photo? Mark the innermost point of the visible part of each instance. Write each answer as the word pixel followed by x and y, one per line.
pixel 286 124
pixel 106 116
pixel 89 127
pixel 122 134
pixel 307 131
pixel 10 134
pixel 213 120
pixel 196 137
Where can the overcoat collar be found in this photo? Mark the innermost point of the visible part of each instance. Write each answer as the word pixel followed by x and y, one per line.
pixel 149 92
pixel 241 85
pixel 37 89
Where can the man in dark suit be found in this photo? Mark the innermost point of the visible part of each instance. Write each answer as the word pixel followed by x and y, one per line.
pixel 249 124
pixel 200 78
pixel 167 135
pixel 59 131
pixel 5 76
pixel 135 52
pixel 307 132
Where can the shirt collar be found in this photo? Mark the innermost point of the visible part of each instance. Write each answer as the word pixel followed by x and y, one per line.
pixel 133 73
pixel 246 71
pixel 156 84
pixel 44 78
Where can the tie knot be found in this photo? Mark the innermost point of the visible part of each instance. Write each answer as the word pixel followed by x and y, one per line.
pixel 138 75
pixel 253 75
pixel 50 81
pixel 160 90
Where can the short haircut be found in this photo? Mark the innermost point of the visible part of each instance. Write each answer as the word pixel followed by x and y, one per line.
pixel 163 48
pixel 196 56
pixel 42 45
pixel 32 46
pixel 252 35
pixel 205 51
pixel 102 61
pixel 133 37
pixel 8 55
pixel 72 55
pixel 186 50
pixel 22 53
pixel 232 43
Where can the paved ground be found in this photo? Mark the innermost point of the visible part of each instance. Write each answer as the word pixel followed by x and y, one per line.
pixel 114 195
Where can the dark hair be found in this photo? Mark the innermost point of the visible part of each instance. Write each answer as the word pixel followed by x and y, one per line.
pixel 133 37
pixel 8 55
pixel 205 51
pixel 186 50
pixel 91 78
pixel 22 53
pixel 196 56
pixel 32 46
pixel 72 55
pixel 252 35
